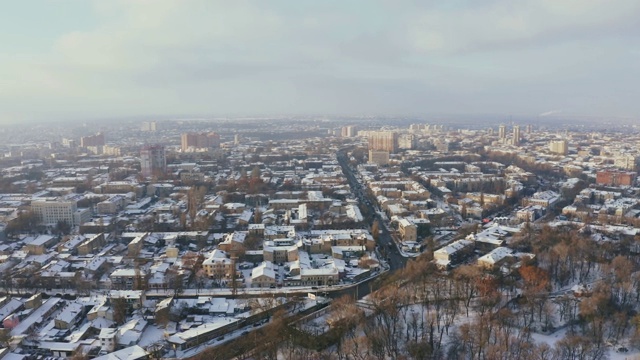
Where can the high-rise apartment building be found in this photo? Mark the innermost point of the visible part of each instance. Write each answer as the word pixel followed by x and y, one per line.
pixel 195 141
pixel 406 141
pixel 502 132
pixel 383 140
pixel 150 126
pixel 92 140
pixel 516 135
pixel 626 161
pixel 70 143
pixel 348 131
pixel 153 160
pixel 559 147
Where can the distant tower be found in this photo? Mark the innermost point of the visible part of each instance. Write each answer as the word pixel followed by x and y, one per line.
pixel 153 160
pixel 529 129
pixel 195 141
pixel 236 139
pixel 348 131
pixel 516 135
pixel 502 132
pixel 149 126
pixel 92 140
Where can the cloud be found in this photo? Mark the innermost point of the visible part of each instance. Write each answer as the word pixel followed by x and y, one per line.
pixel 210 56
pixel 549 113
pixel 505 25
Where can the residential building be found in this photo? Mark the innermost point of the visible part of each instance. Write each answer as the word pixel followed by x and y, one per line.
pixel 558 147
pixel 379 157
pixel 128 279
pixel 626 162
pixel 263 275
pixel 495 258
pixel 502 132
pixel 615 178
pixel 39 245
pixel 149 126
pixel 453 253
pixel 153 160
pixel 196 141
pixel 408 230
pixel 53 210
pixel 383 140
pixel 92 140
pixel 348 131
pixel 70 315
pixel 217 265
pixel 516 135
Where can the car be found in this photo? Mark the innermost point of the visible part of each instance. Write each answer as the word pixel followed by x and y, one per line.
pixel 220 338
pixel 314 288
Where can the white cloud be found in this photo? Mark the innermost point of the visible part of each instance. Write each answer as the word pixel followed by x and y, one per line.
pixel 206 56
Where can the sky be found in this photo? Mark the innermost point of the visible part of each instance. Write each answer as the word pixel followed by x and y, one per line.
pixel 90 59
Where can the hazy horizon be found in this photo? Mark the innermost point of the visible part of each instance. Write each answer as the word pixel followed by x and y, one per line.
pixel 117 59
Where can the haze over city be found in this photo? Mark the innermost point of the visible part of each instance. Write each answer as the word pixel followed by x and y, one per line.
pixel 83 60
pixel 319 180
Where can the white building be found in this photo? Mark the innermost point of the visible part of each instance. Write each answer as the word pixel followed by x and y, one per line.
pixel 217 265
pixel 559 147
pixel 494 258
pixel 263 275
pixel 53 210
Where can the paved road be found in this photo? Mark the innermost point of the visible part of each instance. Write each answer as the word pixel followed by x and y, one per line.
pixel 385 241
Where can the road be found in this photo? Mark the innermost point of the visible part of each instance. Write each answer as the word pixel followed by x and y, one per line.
pixel 385 241
pixel 360 289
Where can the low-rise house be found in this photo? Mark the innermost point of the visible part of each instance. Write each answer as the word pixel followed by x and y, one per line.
pixel 197 335
pixel 453 253
pixel 280 250
pixel 128 279
pixel 217 265
pixel 70 315
pixel 133 298
pixel 38 245
pixel 263 275
pixel 495 258
pixel 408 230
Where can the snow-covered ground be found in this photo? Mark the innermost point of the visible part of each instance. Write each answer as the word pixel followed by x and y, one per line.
pixel 612 352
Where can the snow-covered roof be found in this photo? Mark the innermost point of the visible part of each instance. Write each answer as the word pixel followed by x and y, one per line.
pixel 495 256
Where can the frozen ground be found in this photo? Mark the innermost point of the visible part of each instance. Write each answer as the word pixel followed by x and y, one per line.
pixel 551 340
